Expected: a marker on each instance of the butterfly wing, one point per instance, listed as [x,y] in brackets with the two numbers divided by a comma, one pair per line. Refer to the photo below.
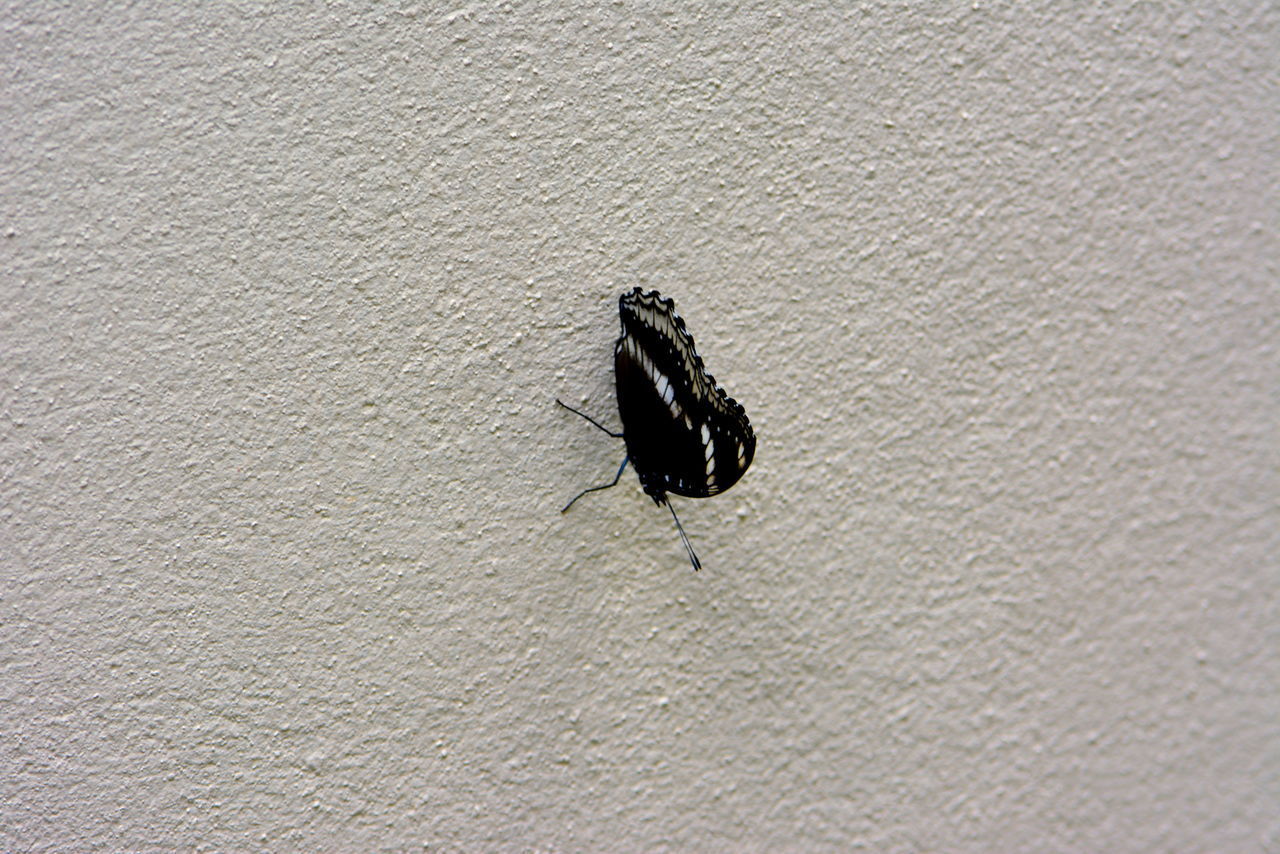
[684,434]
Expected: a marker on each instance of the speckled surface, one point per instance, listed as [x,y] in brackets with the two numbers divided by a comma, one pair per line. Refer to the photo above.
[285,297]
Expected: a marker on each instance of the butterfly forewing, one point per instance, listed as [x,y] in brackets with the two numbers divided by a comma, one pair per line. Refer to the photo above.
[684,434]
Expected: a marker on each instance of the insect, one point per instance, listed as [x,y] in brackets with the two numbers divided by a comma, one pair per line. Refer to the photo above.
[684,434]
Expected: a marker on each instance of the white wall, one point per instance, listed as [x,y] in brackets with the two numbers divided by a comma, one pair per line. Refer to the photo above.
[287,295]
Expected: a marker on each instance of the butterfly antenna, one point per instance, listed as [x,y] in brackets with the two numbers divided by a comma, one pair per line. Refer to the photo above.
[693,558]
[596,488]
[593,421]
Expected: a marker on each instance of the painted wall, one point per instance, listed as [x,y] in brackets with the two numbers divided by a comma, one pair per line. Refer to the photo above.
[286,293]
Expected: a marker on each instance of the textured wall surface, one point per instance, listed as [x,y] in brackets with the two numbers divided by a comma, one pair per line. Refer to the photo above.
[287,293]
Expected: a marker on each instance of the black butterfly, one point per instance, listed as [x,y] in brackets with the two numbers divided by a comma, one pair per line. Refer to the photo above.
[683,433]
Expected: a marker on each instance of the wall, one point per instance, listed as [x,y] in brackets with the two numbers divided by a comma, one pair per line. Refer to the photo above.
[287,293]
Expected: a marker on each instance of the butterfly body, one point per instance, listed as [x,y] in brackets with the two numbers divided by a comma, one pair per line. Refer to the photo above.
[684,434]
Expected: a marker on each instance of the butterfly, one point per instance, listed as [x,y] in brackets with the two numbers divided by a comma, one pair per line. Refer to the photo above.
[684,435]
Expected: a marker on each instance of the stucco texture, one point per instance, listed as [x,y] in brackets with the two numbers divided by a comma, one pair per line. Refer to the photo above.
[287,294]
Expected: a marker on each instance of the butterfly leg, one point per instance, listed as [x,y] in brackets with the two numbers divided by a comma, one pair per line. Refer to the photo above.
[589,418]
[616,477]
[693,558]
